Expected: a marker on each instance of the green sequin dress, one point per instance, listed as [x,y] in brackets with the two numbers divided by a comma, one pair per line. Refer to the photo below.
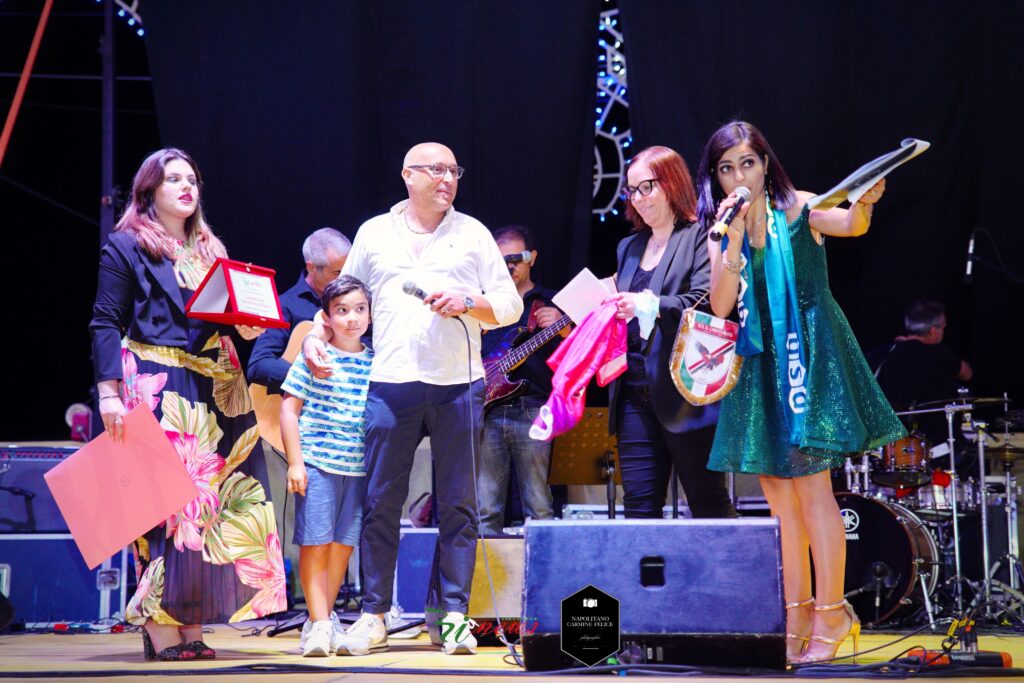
[847,411]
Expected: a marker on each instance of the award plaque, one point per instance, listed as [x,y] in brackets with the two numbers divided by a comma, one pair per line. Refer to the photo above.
[236,293]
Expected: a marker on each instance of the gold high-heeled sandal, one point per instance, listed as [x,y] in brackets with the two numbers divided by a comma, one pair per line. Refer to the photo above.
[854,631]
[794,636]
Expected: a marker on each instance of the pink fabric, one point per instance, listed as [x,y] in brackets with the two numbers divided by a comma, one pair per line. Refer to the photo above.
[596,346]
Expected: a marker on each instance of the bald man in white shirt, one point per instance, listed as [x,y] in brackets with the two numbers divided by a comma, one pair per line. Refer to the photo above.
[424,380]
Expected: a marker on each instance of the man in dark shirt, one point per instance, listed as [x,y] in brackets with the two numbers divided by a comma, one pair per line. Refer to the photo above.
[325,252]
[506,441]
[918,368]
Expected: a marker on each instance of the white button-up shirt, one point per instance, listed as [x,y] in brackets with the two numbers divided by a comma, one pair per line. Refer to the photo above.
[411,343]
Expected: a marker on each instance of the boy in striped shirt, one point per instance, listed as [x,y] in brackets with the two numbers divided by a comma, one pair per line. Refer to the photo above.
[322,424]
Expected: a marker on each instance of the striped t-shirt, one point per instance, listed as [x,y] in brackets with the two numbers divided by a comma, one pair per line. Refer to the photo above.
[332,423]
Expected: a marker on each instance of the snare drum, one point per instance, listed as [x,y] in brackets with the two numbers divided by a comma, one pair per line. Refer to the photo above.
[935,501]
[904,463]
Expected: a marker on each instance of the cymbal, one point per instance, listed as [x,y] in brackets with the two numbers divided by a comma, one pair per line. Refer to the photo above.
[1005,453]
[973,400]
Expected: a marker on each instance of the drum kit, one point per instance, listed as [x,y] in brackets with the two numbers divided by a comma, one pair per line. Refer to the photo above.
[906,524]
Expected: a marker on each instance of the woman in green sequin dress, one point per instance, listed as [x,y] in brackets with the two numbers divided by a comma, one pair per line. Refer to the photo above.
[793,418]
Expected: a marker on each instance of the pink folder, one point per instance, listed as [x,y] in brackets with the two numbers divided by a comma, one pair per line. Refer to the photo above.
[112,493]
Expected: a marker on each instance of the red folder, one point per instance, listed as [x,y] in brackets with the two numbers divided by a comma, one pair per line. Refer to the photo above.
[112,493]
[236,293]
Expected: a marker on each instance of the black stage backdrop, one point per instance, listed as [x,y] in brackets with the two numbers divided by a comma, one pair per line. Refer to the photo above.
[299,114]
[833,85]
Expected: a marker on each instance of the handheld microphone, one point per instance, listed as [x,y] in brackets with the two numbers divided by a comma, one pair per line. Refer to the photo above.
[411,289]
[720,226]
[968,274]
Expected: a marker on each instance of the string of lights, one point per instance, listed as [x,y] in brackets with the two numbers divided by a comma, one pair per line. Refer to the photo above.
[129,11]
[612,135]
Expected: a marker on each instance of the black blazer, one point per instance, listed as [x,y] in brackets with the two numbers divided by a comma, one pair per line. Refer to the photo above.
[138,295]
[680,279]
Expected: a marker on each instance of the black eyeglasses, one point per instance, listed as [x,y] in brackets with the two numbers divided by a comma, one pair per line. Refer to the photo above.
[439,170]
[644,187]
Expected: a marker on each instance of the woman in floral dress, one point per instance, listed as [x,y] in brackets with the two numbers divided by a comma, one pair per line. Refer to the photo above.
[218,559]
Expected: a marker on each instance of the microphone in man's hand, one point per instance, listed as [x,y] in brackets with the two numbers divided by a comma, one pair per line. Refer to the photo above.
[968,274]
[720,226]
[411,289]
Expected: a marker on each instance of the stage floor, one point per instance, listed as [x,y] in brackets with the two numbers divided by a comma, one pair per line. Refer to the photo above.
[119,657]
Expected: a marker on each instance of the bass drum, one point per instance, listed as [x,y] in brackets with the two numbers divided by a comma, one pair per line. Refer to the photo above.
[888,548]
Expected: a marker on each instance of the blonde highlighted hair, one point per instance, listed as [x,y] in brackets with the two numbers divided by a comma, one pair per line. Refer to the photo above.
[141,220]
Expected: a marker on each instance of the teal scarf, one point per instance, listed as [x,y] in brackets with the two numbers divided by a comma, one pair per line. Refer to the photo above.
[780,278]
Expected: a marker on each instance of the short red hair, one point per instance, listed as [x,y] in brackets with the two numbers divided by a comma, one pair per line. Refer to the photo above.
[674,180]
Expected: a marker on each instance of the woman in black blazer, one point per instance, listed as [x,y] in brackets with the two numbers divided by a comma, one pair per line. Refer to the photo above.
[664,262]
[218,559]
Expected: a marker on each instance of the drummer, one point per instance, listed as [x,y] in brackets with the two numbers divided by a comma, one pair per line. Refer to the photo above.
[918,368]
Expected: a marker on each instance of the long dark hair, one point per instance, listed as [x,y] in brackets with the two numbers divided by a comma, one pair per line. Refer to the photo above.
[140,218]
[709,192]
[675,181]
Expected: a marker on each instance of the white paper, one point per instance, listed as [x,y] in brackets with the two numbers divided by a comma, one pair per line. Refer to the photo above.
[853,186]
[213,298]
[254,294]
[583,294]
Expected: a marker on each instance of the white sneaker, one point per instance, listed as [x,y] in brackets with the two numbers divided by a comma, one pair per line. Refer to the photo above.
[460,640]
[365,636]
[308,626]
[393,619]
[318,642]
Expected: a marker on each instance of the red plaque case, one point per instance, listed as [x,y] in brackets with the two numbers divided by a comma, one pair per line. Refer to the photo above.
[236,293]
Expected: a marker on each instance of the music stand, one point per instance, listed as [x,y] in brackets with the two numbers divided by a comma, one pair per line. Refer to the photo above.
[587,455]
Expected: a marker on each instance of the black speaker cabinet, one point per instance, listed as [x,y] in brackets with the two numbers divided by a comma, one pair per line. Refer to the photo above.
[697,592]
[26,505]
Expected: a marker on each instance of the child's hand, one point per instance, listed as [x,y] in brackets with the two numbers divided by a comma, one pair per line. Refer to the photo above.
[297,479]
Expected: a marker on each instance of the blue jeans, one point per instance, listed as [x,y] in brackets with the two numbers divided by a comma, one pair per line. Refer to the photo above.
[398,416]
[646,453]
[506,442]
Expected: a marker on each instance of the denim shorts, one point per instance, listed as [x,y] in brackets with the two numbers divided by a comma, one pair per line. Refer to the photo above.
[331,511]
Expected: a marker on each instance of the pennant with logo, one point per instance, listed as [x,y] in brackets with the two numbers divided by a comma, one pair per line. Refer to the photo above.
[704,363]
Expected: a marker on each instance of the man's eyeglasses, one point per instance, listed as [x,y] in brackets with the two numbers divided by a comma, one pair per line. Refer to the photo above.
[644,187]
[521,257]
[439,170]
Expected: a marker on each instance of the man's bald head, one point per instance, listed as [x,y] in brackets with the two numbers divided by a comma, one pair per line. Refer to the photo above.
[428,153]
[429,194]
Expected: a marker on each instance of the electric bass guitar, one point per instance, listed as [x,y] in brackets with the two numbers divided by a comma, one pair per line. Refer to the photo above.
[507,356]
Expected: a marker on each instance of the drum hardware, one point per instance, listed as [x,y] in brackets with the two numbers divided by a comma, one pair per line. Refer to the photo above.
[982,429]
[857,476]
[1012,560]
[960,405]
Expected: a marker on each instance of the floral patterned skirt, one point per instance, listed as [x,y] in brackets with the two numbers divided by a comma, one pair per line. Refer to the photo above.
[218,559]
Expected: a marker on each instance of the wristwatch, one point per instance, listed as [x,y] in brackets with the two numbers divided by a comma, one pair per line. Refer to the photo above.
[467,301]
